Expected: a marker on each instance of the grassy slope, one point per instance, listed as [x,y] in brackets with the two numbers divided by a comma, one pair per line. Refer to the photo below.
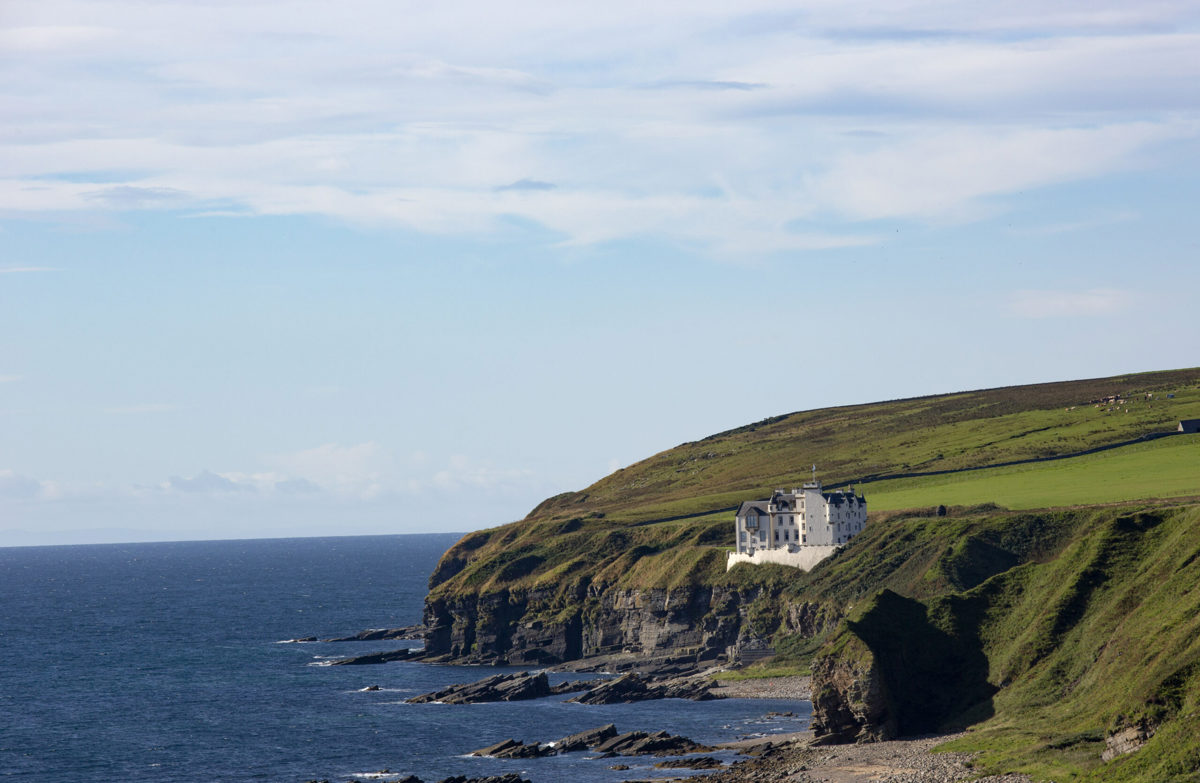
[595,534]
[1098,629]
[850,443]
[1164,468]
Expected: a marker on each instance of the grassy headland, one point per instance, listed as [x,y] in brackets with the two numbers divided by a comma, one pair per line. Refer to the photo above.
[1029,611]
[605,531]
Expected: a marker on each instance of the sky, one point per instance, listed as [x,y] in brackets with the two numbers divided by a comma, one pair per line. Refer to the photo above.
[279,268]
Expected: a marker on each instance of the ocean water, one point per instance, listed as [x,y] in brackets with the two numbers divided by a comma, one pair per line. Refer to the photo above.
[166,662]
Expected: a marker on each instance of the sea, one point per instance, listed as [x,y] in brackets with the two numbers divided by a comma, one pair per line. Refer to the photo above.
[166,662]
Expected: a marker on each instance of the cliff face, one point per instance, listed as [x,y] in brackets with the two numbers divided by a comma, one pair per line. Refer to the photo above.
[850,700]
[698,621]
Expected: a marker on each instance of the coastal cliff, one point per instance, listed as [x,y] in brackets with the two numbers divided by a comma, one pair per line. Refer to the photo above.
[1024,623]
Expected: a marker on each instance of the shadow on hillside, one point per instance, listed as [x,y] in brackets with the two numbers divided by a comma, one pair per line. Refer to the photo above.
[935,680]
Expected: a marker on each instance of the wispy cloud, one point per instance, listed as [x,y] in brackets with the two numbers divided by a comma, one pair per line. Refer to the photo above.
[133,197]
[527,184]
[853,111]
[207,482]
[11,378]
[18,270]
[363,469]
[13,485]
[1069,304]
[150,407]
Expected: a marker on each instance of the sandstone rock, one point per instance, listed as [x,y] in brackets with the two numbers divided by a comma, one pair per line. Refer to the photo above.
[633,687]
[586,739]
[514,749]
[849,698]
[378,634]
[701,620]
[501,687]
[373,658]
[640,743]
[572,686]
[1127,740]
[700,762]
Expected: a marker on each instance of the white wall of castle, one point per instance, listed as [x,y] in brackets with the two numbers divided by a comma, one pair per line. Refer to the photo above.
[805,558]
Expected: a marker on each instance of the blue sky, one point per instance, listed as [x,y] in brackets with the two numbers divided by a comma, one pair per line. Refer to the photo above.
[285,268]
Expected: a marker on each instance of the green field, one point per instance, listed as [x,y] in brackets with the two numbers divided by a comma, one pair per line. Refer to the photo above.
[1168,468]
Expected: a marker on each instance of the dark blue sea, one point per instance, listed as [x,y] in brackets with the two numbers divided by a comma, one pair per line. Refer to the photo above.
[165,662]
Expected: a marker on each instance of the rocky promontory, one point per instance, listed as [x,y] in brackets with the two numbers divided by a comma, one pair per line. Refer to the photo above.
[604,740]
[500,687]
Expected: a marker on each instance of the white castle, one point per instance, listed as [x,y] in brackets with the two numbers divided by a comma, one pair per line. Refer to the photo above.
[798,528]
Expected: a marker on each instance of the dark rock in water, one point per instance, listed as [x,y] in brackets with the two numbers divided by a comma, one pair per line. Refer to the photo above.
[572,687]
[700,762]
[514,749]
[640,743]
[368,688]
[586,739]
[499,747]
[620,767]
[501,687]
[634,687]
[511,777]
[378,634]
[381,657]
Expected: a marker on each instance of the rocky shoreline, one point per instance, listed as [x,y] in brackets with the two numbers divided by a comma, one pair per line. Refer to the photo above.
[793,758]
[801,760]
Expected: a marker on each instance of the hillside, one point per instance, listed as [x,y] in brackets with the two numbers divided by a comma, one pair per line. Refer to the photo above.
[1051,609]
[568,535]
[1048,633]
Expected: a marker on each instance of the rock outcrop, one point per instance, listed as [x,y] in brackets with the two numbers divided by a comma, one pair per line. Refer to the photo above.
[378,634]
[641,743]
[699,622]
[379,657]
[586,739]
[501,687]
[603,740]
[1126,740]
[514,749]
[849,697]
[633,687]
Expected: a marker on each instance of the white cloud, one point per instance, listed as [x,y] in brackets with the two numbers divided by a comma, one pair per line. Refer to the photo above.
[50,38]
[1067,304]
[545,113]
[942,173]
[465,474]
[363,470]
[11,378]
[207,482]
[16,486]
[16,270]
